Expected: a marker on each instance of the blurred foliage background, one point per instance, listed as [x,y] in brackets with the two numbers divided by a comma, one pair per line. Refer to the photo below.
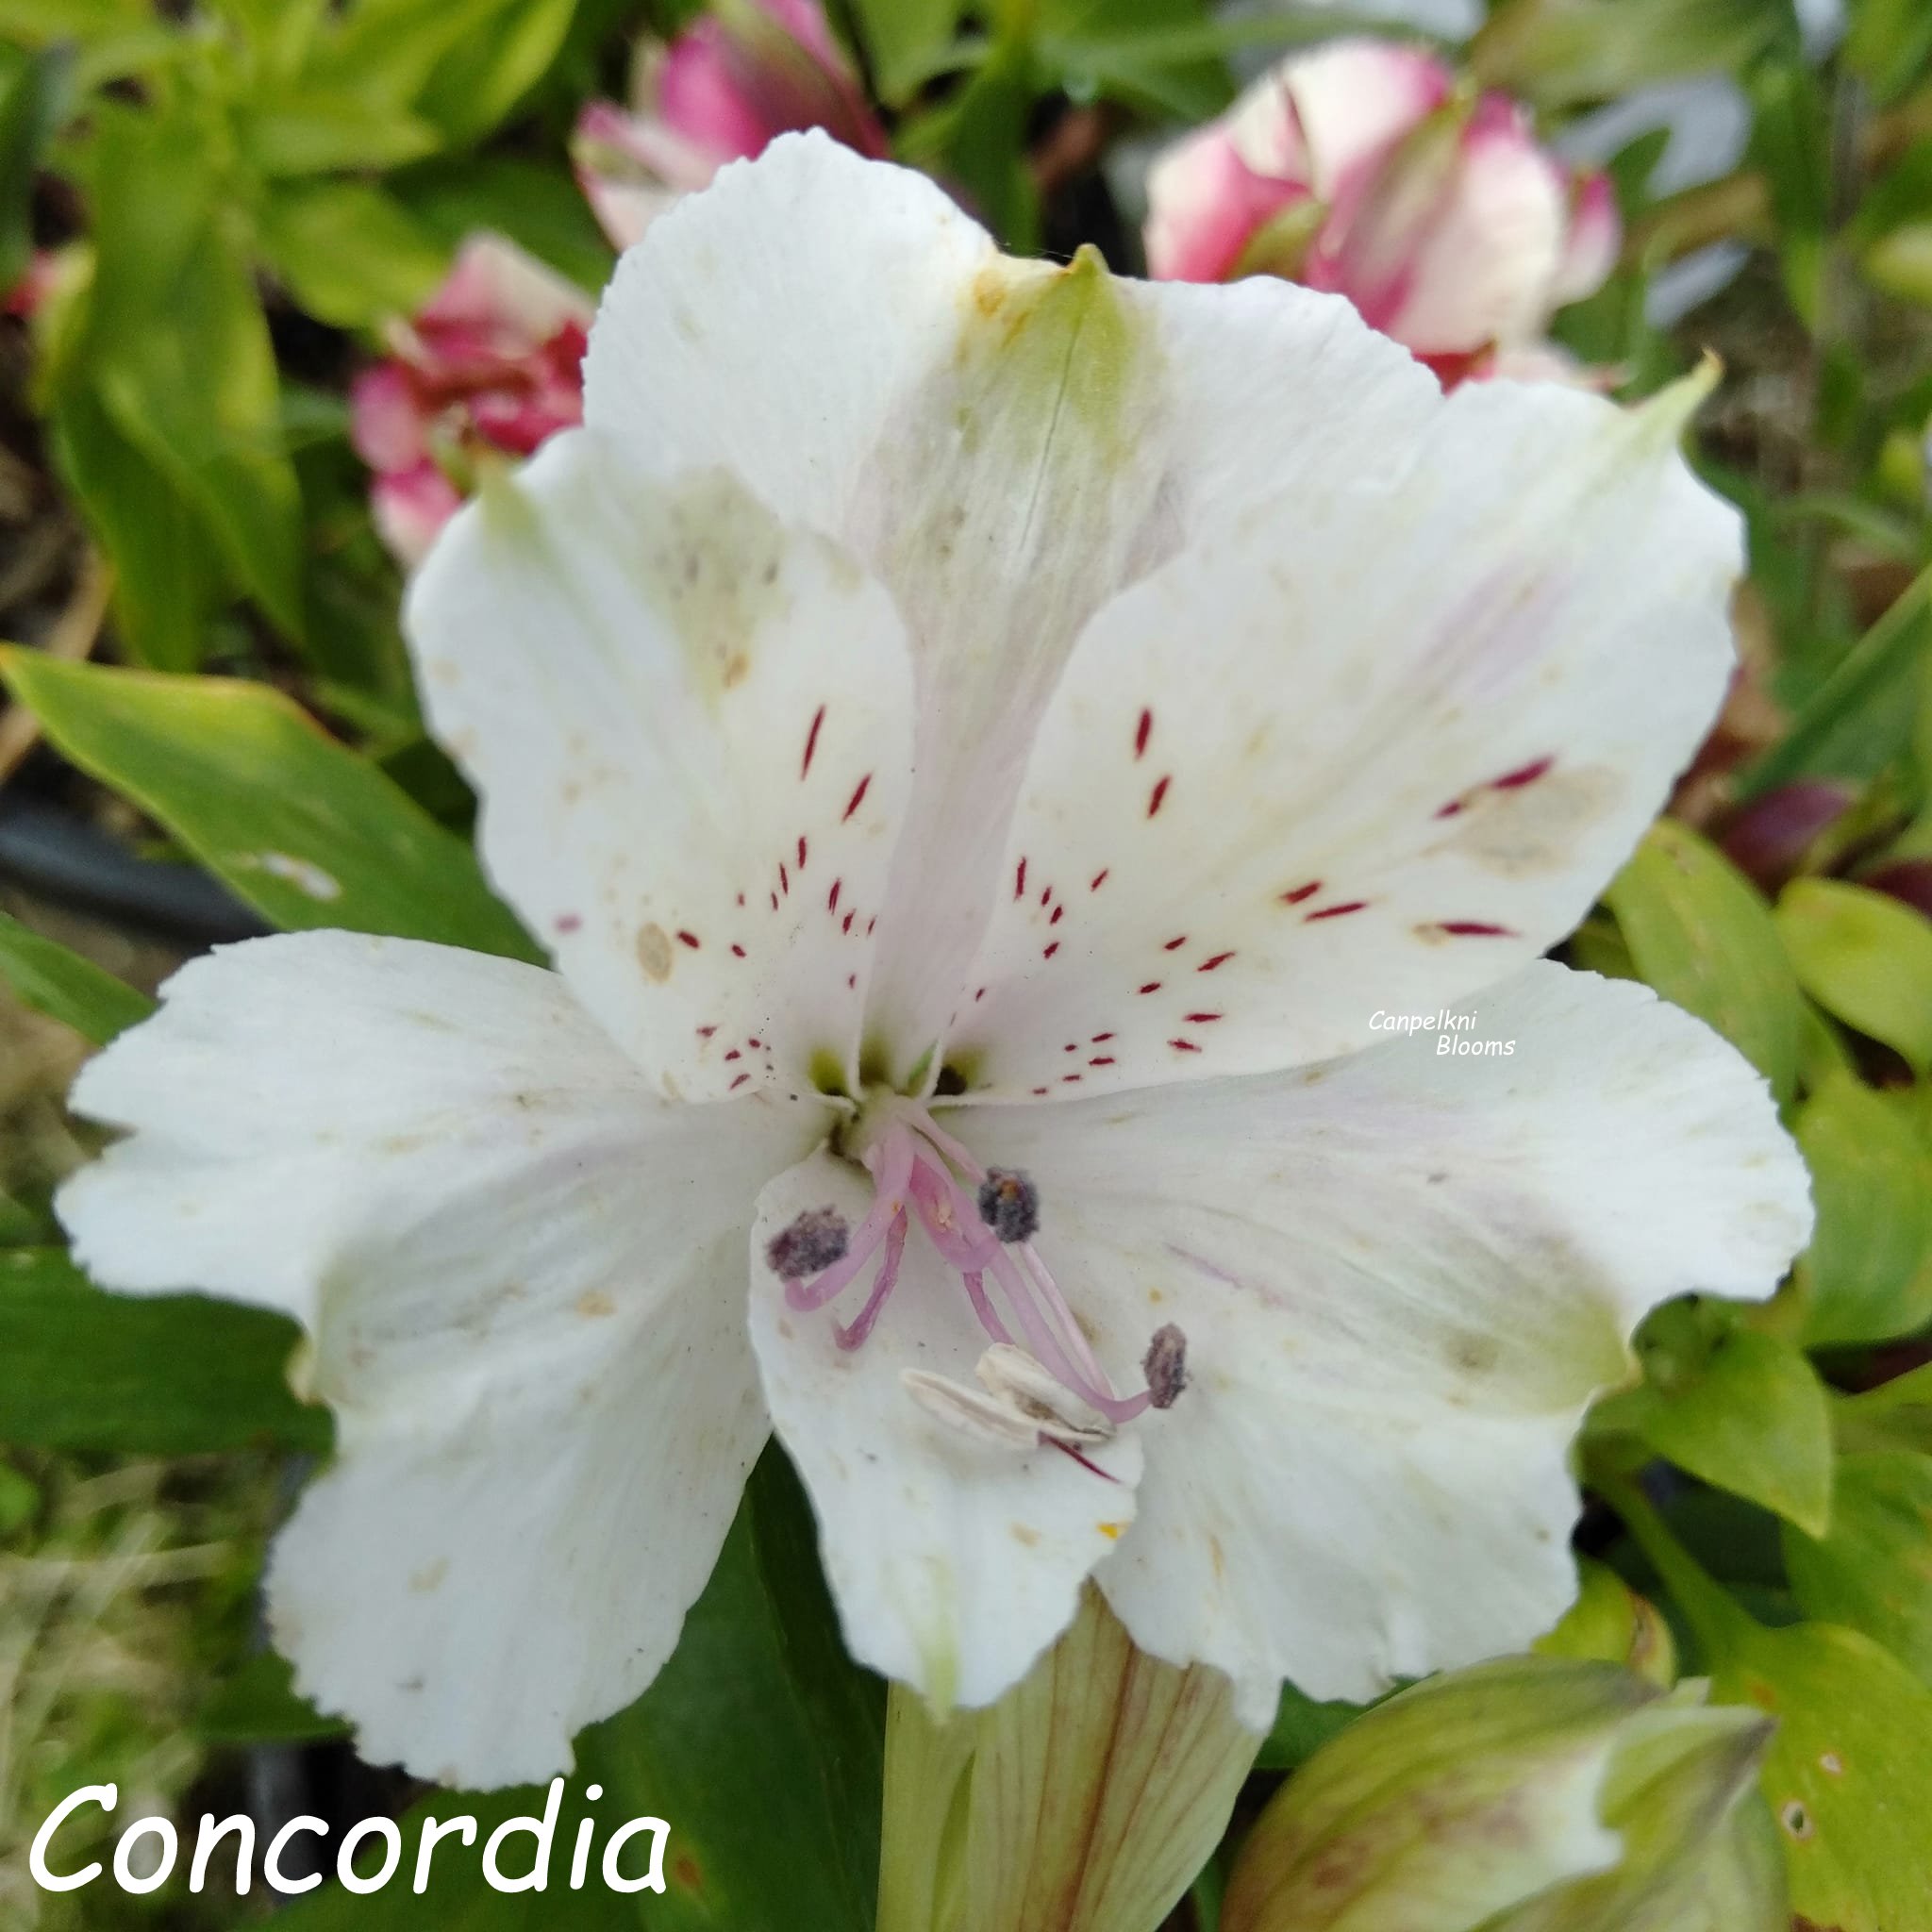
[216,214]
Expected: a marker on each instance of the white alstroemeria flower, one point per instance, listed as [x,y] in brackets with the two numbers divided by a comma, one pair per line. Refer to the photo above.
[986,743]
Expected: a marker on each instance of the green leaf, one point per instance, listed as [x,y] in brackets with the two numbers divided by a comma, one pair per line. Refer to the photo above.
[1865,1276]
[350,253]
[48,977]
[761,1743]
[83,1371]
[260,1704]
[169,577]
[1736,1408]
[177,348]
[540,208]
[1847,1772]
[316,132]
[483,76]
[1562,53]
[306,831]
[904,39]
[978,141]
[1302,1725]
[1699,932]
[1865,958]
[1888,43]
[1873,1571]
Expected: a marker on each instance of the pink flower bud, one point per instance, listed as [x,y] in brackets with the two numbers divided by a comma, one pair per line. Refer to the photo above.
[1436,212]
[492,363]
[736,79]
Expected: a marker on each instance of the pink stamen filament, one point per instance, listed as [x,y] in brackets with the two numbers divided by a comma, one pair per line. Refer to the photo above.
[909,1165]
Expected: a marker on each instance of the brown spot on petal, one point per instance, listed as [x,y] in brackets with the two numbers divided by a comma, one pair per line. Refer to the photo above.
[654,953]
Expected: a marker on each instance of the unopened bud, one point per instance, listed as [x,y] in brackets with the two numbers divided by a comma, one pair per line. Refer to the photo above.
[1535,1794]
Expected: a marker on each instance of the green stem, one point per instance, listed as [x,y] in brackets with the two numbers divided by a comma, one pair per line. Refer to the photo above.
[1863,670]
[1714,1619]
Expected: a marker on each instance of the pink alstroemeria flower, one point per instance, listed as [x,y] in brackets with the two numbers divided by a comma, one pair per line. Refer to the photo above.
[1362,168]
[492,363]
[747,73]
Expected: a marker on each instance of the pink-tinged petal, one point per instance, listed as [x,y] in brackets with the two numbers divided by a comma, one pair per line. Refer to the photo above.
[1541,362]
[1484,269]
[410,507]
[1355,99]
[1401,1276]
[669,158]
[1205,205]
[1590,250]
[702,98]
[386,418]
[37,282]
[1297,757]
[625,209]
[496,289]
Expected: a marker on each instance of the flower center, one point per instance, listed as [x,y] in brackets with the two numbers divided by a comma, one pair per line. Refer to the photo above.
[1042,1381]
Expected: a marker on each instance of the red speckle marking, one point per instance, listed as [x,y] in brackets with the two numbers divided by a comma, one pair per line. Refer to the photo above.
[980,996]
[801,852]
[1143,731]
[1449,811]
[1099,880]
[1335,911]
[1199,1019]
[1473,929]
[1300,892]
[852,979]
[845,924]
[1160,793]
[857,797]
[737,951]
[1101,1059]
[1046,895]
[811,741]
[705,1032]
[774,902]
[734,1054]
[1060,912]
[1219,959]
[832,897]
[1524,775]
[1068,1079]
[738,1083]
[870,923]
[1050,950]
[689,939]
[754,1041]
[740,898]
[1184,1046]
[1072,1046]
[568,922]
[1020,882]
[784,878]
[1173,944]
[1100,1038]
[1152,986]
[1039,1091]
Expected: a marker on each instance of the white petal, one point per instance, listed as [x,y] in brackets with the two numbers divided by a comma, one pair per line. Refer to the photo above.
[690,728]
[1354,98]
[1004,444]
[954,1558]
[1368,759]
[519,1270]
[1401,1276]
[1487,270]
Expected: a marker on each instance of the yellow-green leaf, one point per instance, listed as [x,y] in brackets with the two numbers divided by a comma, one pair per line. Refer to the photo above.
[1699,932]
[1864,957]
[306,830]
